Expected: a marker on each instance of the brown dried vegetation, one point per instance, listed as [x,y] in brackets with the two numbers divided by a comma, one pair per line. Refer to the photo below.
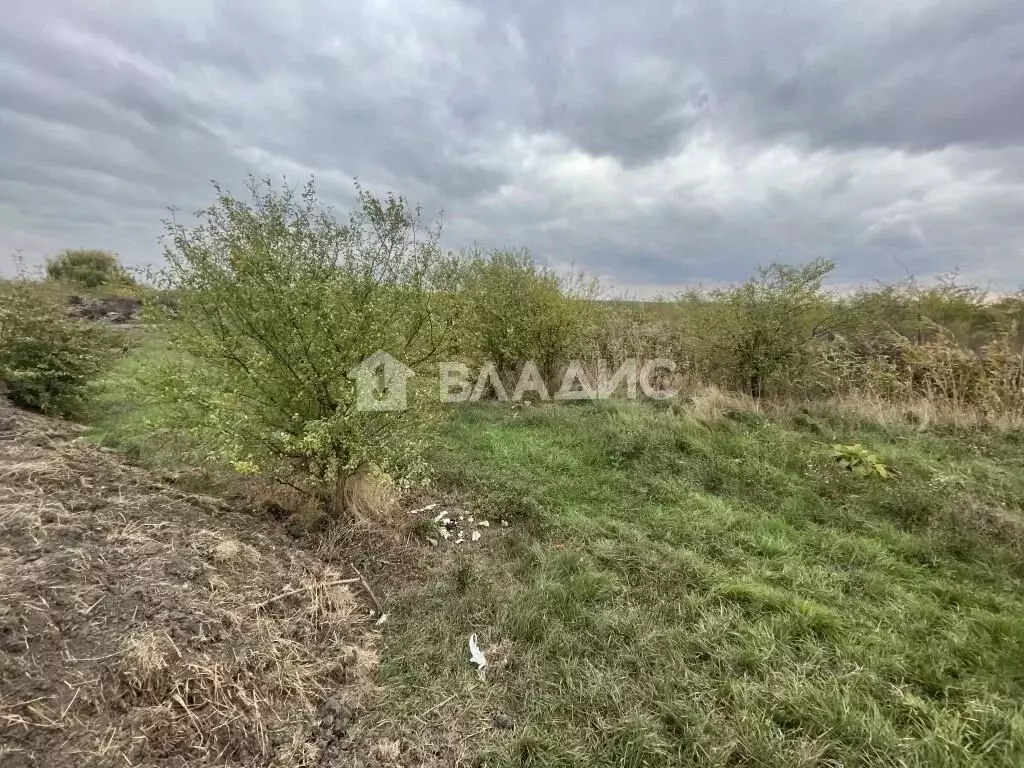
[141,625]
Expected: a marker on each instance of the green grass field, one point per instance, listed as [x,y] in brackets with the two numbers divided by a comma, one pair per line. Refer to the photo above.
[681,586]
[675,592]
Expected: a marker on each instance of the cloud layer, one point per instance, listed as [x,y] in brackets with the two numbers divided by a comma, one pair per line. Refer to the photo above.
[656,144]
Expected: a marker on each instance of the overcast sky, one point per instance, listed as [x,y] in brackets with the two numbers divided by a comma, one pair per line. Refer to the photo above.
[653,143]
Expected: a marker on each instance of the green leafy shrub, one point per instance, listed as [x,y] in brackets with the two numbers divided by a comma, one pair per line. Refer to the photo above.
[859,460]
[758,335]
[517,311]
[88,268]
[276,303]
[921,312]
[47,359]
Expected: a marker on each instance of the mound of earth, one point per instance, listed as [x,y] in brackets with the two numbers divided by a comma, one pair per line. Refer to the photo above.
[140,625]
[120,310]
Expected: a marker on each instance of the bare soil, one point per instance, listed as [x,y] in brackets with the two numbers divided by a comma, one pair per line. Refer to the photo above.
[140,625]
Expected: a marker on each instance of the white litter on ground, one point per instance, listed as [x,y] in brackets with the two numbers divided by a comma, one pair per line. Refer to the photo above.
[475,655]
[423,509]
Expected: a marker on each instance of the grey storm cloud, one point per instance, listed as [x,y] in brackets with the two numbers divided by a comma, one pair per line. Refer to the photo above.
[655,144]
[898,232]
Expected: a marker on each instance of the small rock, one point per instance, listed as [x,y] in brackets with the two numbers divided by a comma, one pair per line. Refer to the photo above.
[13,646]
[485,523]
[335,716]
[503,721]
[432,542]
[226,550]
[475,536]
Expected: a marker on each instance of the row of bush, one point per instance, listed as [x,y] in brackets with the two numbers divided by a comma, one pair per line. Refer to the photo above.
[276,300]
[47,358]
[781,334]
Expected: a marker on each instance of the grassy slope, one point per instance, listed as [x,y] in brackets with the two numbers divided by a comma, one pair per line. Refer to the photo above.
[674,592]
[123,414]
[688,594]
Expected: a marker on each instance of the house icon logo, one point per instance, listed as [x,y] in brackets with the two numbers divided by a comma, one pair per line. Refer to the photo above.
[381,383]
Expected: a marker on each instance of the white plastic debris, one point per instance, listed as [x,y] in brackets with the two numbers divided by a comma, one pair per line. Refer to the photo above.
[383,618]
[471,518]
[504,523]
[485,523]
[423,509]
[439,515]
[475,536]
[475,654]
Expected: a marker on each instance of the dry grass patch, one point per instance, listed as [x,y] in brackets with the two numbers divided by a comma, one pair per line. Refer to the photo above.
[145,626]
[709,404]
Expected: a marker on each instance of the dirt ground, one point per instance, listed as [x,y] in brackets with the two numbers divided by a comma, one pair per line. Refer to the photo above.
[140,625]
